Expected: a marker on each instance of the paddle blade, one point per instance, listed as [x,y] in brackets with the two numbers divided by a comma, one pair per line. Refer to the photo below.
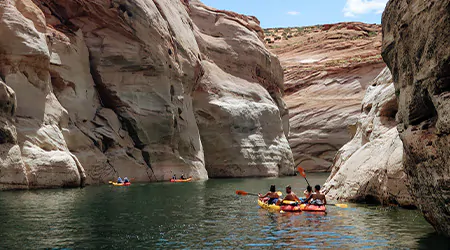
[301,171]
[279,193]
[341,205]
[240,192]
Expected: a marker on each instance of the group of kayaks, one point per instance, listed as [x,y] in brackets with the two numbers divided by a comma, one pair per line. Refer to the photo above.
[291,206]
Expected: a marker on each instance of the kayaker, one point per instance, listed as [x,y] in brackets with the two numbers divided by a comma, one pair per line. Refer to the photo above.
[290,196]
[119,180]
[182,176]
[125,180]
[174,177]
[273,196]
[317,198]
[308,192]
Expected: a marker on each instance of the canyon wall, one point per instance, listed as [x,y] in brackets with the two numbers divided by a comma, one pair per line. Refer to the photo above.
[416,49]
[327,70]
[238,103]
[369,168]
[91,90]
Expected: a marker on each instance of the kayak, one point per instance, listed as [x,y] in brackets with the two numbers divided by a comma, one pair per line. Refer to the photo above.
[181,180]
[292,208]
[120,184]
[276,208]
[313,208]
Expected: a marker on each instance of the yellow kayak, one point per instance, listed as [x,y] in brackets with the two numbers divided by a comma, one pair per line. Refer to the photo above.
[120,184]
[271,207]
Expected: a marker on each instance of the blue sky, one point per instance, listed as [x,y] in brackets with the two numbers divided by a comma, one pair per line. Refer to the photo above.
[292,13]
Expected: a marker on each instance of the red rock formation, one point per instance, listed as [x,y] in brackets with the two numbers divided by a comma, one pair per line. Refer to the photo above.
[327,70]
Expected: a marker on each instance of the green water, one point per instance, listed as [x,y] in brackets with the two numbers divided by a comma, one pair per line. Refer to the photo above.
[198,215]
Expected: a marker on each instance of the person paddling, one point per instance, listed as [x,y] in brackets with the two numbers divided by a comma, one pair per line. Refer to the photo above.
[119,180]
[317,198]
[290,196]
[125,180]
[308,192]
[273,196]
[174,177]
[182,177]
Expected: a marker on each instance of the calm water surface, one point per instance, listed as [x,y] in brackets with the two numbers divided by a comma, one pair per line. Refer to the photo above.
[198,215]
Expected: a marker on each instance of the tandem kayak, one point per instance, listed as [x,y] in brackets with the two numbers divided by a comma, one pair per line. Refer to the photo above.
[120,184]
[181,180]
[292,208]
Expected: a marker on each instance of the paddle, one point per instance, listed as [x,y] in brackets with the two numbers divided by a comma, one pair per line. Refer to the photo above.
[338,205]
[240,192]
[302,173]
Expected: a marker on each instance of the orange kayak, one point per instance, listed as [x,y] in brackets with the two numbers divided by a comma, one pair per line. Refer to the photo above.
[181,180]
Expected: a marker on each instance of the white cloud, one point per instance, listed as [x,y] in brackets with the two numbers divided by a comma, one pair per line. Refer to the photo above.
[293,13]
[360,7]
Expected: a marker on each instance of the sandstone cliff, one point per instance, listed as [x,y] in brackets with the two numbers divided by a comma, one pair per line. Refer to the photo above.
[416,48]
[95,89]
[327,70]
[369,168]
[238,103]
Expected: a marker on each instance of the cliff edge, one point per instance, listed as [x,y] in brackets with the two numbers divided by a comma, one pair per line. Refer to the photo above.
[416,49]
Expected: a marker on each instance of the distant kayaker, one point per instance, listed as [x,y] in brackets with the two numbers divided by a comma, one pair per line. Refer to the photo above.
[317,198]
[273,196]
[290,196]
[174,177]
[119,180]
[125,180]
[182,177]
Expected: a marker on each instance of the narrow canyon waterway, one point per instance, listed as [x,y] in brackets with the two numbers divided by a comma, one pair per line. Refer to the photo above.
[198,215]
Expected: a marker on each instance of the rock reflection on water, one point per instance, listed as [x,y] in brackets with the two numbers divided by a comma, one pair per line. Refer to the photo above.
[198,215]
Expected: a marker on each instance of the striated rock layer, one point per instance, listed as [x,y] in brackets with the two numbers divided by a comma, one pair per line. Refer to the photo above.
[369,168]
[95,89]
[416,48]
[327,70]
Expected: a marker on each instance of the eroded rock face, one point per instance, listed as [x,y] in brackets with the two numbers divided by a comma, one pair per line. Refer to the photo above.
[369,168]
[37,155]
[416,48]
[238,101]
[327,70]
[108,88]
